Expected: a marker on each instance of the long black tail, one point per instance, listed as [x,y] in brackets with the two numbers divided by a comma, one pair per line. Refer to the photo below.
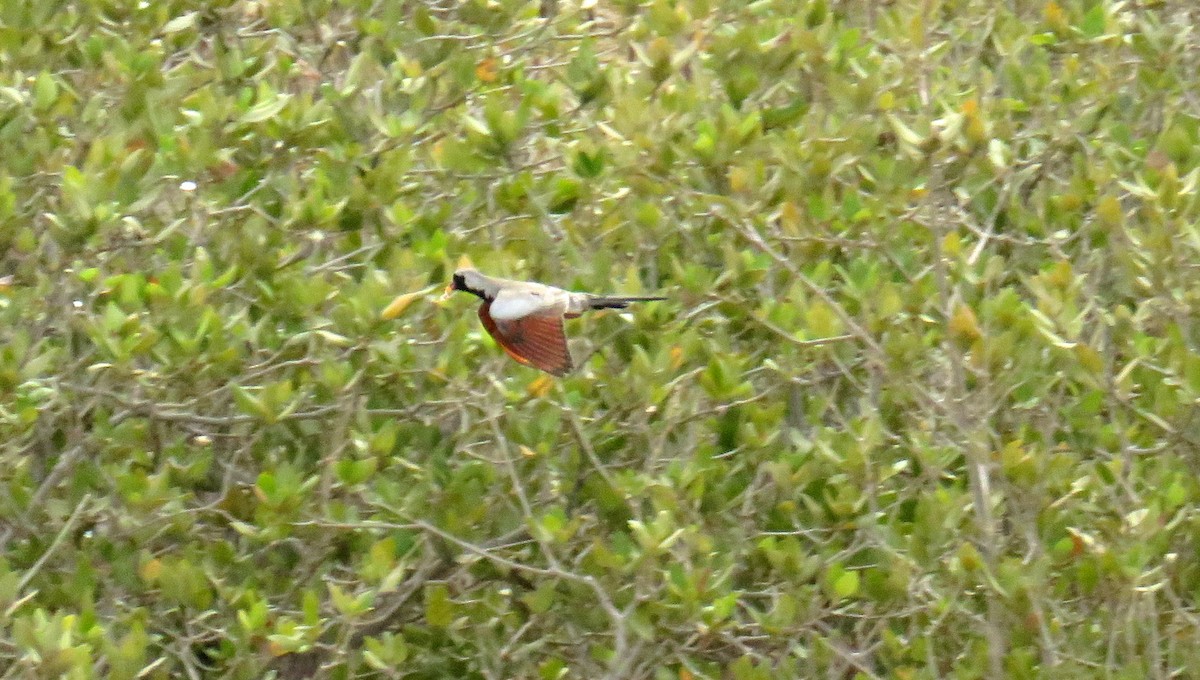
[619,301]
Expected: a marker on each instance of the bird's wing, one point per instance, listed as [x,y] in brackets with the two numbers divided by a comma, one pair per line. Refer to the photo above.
[524,299]
[536,340]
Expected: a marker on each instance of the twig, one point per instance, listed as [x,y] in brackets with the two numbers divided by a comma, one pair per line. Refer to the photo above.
[54,545]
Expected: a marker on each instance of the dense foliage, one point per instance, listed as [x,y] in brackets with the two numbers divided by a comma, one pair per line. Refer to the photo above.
[923,402]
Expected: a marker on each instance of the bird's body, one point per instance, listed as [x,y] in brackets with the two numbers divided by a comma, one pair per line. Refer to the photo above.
[526,318]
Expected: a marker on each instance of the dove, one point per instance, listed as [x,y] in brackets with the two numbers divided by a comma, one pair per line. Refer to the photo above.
[526,318]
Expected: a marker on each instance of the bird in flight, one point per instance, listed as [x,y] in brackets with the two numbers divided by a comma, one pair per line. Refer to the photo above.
[526,318]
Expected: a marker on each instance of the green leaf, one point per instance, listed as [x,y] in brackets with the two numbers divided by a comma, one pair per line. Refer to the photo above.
[566,194]
[355,471]
[265,110]
[182,22]
[588,165]
[439,610]
[45,91]
[251,405]
[424,21]
[1093,23]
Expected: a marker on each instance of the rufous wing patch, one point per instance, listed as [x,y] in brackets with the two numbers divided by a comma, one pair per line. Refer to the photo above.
[536,340]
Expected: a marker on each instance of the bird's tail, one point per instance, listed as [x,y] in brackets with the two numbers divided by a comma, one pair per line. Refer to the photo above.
[619,301]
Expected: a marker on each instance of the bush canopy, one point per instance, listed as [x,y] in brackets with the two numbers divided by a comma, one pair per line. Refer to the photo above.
[923,401]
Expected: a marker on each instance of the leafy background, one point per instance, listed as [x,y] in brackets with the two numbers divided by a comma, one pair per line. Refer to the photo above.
[922,403]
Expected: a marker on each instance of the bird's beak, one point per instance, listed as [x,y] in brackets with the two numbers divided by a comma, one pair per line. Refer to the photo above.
[446,294]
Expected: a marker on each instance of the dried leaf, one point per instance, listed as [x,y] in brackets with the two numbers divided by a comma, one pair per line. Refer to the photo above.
[402,302]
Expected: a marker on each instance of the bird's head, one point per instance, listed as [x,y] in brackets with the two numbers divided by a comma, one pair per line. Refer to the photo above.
[471,281]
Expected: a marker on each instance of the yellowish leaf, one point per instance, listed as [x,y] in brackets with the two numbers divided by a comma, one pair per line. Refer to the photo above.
[952,244]
[1060,276]
[969,557]
[1089,358]
[540,386]
[486,70]
[789,217]
[676,357]
[402,302]
[151,570]
[974,128]
[739,179]
[964,326]
[1108,210]
[1055,17]
[904,133]
[822,322]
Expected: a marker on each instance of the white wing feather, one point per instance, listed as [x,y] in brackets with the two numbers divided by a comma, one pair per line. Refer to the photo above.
[517,304]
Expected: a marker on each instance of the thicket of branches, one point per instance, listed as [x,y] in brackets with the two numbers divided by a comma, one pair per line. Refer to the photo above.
[922,403]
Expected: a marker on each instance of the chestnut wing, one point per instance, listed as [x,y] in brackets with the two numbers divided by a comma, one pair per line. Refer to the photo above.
[537,340]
